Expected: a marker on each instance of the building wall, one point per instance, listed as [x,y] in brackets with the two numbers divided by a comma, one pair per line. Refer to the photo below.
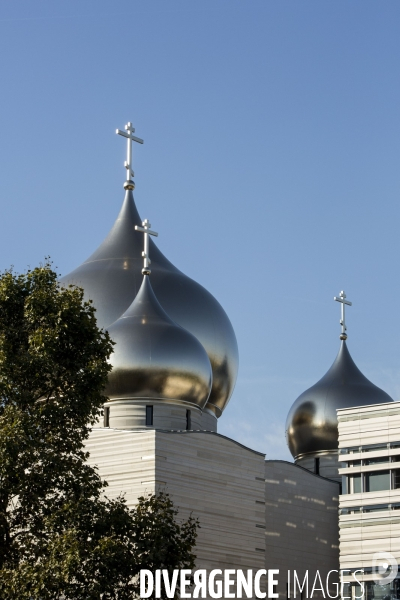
[207,475]
[301,518]
[126,460]
[369,443]
[254,514]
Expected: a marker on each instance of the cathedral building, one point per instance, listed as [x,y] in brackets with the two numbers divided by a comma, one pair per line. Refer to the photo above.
[174,369]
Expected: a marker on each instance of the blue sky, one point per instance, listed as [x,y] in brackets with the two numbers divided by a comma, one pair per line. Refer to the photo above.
[270,167]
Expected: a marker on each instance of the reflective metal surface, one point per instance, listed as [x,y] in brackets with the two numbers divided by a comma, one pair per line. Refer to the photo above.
[154,358]
[111,277]
[311,424]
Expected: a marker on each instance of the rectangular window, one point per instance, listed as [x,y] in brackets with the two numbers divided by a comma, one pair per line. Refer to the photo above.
[376,461]
[377,482]
[149,416]
[376,508]
[357,484]
[374,447]
[396,479]
[106,416]
[188,420]
[352,450]
[350,511]
[356,592]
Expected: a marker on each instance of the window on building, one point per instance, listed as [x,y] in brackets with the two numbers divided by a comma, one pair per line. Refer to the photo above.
[352,450]
[188,420]
[375,508]
[396,589]
[357,592]
[149,416]
[378,481]
[374,447]
[396,479]
[350,511]
[376,461]
[107,416]
[354,484]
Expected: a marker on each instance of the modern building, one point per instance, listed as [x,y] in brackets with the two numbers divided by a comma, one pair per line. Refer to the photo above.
[174,369]
[369,446]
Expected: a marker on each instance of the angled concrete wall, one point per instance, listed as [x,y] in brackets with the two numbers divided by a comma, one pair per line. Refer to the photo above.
[301,518]
[254,514]
[207,475]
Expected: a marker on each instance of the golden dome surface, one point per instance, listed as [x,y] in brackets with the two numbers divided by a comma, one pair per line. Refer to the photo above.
[156,359]
[111,278]
[311,425]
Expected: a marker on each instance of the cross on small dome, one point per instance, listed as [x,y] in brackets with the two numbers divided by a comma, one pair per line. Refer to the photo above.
[343,301]
[147,231]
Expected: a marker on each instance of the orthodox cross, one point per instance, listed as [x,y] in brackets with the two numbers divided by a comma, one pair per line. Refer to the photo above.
[147,231]
[130,138]
[343,301]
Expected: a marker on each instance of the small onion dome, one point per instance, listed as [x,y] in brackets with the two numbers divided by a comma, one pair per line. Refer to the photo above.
[111,278]
[311,425]
[154,358]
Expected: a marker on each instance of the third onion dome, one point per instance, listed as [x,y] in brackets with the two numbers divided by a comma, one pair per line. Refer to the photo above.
[311,425]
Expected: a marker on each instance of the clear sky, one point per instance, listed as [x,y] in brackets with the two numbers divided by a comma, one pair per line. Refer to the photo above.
[270,167]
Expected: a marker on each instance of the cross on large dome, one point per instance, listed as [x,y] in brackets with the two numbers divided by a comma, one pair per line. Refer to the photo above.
[111,278]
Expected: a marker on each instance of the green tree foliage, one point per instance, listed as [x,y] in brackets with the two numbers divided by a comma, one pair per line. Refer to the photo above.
[59,534]
[160,541]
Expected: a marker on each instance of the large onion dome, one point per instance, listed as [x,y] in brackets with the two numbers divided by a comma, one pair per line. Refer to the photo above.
[111,277]
[156,359]
[311,425]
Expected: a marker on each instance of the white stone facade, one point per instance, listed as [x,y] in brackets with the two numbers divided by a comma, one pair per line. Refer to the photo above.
[207,475]
[254,514]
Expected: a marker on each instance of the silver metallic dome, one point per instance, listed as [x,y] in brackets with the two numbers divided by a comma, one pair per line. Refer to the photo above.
[154,358]
[311,425]
[111,277]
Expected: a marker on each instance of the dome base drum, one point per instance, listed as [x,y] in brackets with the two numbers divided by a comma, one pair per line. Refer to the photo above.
[133,415]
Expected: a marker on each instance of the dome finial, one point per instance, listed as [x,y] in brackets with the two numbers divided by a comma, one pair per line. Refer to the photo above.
[343,301]
[130,130]
[147,231]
